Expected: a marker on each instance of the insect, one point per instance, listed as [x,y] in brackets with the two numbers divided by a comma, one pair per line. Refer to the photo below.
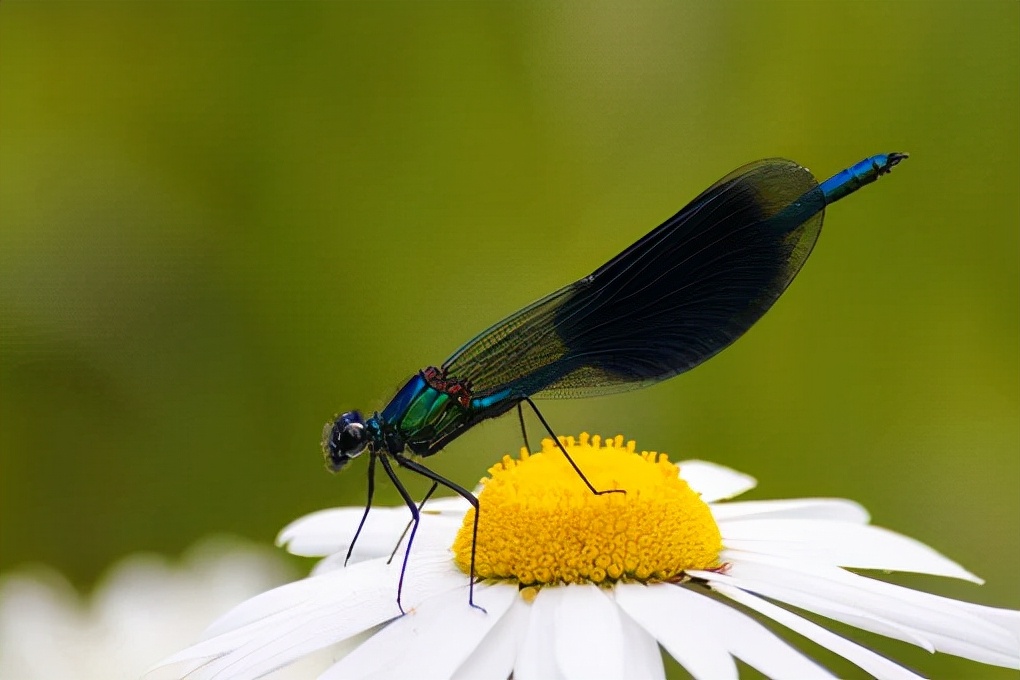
[678,296]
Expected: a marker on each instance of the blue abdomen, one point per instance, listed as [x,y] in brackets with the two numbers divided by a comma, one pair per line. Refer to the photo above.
[856,176]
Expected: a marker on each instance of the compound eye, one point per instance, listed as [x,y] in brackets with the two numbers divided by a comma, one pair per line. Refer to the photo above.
[344,438]
[352,438]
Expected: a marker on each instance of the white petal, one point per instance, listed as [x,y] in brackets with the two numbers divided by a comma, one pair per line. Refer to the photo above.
[328,532]
[495,655]
[455,505]
[171,670]
[833,509]
[1009,619]
[665,612]
[816,600]
[537,657]
[280,626]
[715,482]
[362,581]
[873,663]
[751,642]
[434,638]
[333,562]
[715,626]
[839,543]
[941,624]
[644,660]
[589,634]
[578,632]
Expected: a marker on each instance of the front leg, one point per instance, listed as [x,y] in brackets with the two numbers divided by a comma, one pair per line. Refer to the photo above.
[459,490]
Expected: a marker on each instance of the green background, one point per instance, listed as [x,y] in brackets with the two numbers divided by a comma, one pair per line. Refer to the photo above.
[223,223]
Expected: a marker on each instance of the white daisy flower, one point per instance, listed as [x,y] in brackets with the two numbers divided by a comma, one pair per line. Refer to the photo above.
[576,585]
[143,609]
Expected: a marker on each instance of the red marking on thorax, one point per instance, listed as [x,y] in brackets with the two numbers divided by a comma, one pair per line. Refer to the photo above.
[460,390]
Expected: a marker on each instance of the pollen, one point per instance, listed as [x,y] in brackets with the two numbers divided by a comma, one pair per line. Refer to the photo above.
[540,524]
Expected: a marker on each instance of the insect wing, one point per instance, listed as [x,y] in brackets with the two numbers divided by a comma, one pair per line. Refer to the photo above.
[677,297]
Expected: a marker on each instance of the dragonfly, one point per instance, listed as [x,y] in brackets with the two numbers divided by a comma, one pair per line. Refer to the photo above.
[677,297]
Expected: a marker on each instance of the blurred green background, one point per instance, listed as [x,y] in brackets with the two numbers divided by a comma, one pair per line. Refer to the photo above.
[221,223]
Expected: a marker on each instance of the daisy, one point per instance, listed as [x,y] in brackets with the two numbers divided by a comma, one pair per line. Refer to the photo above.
[575,585]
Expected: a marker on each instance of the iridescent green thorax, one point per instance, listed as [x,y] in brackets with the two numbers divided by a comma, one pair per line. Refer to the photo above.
[427,409]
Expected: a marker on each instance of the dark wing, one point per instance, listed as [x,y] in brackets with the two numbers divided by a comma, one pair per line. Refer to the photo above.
[672,300]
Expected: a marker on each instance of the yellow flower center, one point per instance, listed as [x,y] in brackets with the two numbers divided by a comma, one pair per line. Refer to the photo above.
[540,524]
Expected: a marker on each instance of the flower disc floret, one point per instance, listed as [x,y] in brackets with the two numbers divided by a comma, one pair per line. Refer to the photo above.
[540,524]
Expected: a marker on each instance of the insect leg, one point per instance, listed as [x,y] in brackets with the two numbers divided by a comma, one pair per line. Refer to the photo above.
[435,485]
[368,506]
[524,431]
[415,518]
[569,459]
[460,491]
